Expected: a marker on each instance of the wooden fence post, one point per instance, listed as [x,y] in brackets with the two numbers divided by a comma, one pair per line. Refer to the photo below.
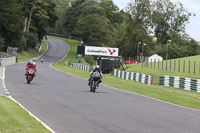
[199,68]
[162,65]
[194,67]
[184,66]
[179,66]
[174,65]
[170,65]
[189,67]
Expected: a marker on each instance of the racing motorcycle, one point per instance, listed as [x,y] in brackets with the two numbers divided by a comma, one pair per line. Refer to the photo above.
[42,60]
[30,73]
[95,77]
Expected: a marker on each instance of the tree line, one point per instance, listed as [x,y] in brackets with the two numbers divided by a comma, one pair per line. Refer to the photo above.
[24,23]
[102,23]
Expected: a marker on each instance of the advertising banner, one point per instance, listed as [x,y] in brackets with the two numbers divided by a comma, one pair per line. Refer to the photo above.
[101,51]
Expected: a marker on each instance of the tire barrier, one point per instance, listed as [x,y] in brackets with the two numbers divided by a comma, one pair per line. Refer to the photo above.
[81,66]
[138,77]
[180,82]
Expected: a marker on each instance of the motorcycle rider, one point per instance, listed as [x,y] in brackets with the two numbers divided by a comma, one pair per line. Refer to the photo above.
[31,64]
[96,69]
[42,60]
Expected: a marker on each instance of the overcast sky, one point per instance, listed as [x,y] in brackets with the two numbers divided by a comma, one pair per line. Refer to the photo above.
[193,28]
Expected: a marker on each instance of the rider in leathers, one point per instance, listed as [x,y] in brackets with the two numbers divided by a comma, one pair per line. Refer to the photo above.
[96,69]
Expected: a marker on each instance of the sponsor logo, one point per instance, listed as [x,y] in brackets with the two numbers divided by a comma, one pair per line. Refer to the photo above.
[111,51]
[96,51]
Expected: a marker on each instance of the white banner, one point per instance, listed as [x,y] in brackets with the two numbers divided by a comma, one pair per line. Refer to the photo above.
[102,51]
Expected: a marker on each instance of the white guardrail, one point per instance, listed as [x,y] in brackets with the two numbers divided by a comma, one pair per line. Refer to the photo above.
[190,84]
[81,66]
[138,77]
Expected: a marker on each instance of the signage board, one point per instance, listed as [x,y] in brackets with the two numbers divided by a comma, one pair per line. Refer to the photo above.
[101,51]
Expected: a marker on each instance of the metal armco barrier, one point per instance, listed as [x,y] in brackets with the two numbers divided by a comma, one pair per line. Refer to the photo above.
[180,82]
[142,78]
[81,66]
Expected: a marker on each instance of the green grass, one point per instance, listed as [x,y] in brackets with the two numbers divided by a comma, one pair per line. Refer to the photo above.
[160,72]
[31,53]
[13,119]
[169,94]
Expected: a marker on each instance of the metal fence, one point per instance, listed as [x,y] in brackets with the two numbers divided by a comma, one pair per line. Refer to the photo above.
[184,66]
[11,51]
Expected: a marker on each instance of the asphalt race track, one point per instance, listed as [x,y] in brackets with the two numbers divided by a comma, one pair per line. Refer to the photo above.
[65,104]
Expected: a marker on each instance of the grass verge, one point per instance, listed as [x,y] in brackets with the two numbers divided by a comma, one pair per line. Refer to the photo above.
[176,70]
[31,53]
[13,119]
[169,94]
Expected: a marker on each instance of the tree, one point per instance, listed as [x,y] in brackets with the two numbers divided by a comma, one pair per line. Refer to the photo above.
[138,21]
[168,17]
[111,11]
[61,8]
[2,42]
[93,29]
[11,23]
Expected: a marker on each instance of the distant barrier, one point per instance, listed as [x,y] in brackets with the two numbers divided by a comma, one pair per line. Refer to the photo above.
[7,61]
[81,66]
[180,82]
[138,77]
[64,36]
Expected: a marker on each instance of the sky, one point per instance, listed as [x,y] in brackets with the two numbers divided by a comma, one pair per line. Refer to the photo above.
[193,6]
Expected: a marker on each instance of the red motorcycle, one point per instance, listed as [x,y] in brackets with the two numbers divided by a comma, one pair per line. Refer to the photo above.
[30,73]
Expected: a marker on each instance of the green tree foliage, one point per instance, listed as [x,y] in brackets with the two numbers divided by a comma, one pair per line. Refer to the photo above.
[40,15]
[11,22]
[2,42]
[135,28]
[89,59]
[164,19]
[61,7]
[93,29]
[168,17]
[92,21]
[24,22]
[111,11]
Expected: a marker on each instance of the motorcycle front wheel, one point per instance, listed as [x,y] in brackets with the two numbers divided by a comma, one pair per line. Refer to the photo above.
[29,79]
[93,86]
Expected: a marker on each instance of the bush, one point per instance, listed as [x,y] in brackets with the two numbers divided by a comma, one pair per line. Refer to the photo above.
[89,59]
[2,42]
[31,40]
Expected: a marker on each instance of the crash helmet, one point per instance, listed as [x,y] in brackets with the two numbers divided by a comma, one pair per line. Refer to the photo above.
[33,61]
[97,67]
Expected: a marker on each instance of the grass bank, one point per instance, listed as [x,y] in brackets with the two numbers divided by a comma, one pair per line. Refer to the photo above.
[13,119]
[169,94]
[31,53]
[181,70]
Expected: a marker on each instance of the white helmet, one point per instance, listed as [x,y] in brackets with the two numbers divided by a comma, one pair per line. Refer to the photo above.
[33,61]
[97,66]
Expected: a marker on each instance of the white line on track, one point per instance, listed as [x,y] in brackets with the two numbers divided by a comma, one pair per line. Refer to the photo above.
[46,126]
[10,97]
